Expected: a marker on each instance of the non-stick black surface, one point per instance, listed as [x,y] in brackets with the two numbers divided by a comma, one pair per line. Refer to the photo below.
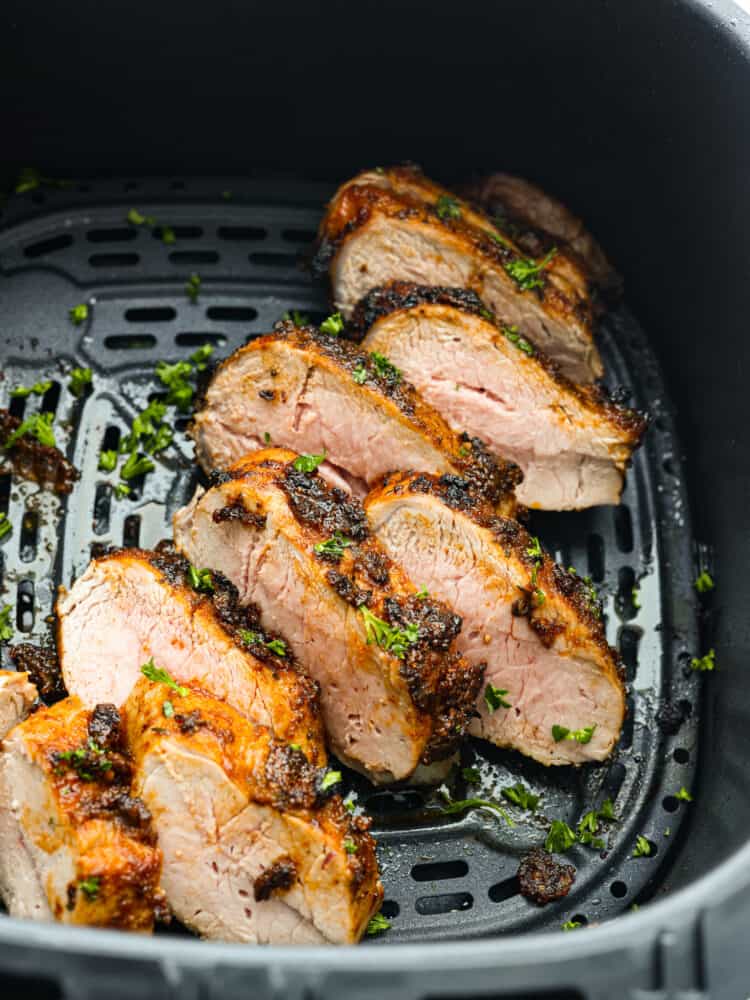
[444,876]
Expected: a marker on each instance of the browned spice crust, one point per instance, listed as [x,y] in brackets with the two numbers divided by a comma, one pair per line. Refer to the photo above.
[401,295]
[42,665]
[542,879]
[31,460]
[276,879]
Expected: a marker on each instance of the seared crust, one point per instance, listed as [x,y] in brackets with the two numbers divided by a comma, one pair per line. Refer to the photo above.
[31,460]
[399,296]
[440,683]
[42,664]
[404,193]
[542,879]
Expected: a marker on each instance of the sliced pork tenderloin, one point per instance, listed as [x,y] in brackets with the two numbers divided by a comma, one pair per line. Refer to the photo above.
[571,442]
[75,845]
[554,689]
[253,850]
[131,606]
[17,696]
[395,225]
[301,389]
[394,692]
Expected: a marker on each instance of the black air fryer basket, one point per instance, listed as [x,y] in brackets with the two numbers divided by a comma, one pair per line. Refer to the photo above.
[233,125]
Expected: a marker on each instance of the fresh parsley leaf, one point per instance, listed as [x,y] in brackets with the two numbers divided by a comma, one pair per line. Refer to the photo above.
[308,463]
[267,438]
[160,440]
[377,925]
[79,379]
[135,218]
[385,368]
[528,274]
[389,637]
[560,837]
[360,374]
[174,377]
[39,426]
[534,550]
[471,775]
[520,796]
[296,317]
[167,709]
[136,465]
[201,355]
[159,676]
[588,826]
[108,460]
[349,805]
[447,208]
[277,646]
[349,846]
[168,235]
[38,388]
[193,287]
[684,795]
[333,324]
[571,925]
[79,314]
[122,490]
[330,778]
[635,594]
[582,735]
[6,629]
[422,594]
[512,334]
[607,810]
[5,526]
[90,887]
[642,848]
[704,582]
[334,546]
[461,805]
[200,580]
[499,238]
[493,698]
[703,663]
[295,746]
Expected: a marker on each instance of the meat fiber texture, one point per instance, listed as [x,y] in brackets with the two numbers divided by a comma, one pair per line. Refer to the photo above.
[268,527]
[253,851]
[572,443]
[132,606]
[17,695]
[537,626]
[396,225]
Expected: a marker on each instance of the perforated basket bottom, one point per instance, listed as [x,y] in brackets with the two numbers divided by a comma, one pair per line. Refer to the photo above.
[444,876]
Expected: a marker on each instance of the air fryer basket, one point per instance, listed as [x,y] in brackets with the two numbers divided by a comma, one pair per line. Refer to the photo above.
[604,107]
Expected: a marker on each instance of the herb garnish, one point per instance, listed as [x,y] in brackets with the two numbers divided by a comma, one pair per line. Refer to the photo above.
[333,324]
[159,676]
[707,662]
[135,218]
[79,379]
[377,925]
[79,314]
[385,368]
[296,317]
[167,709]
[512,334]
[520,796]
[422,594]
[5,526]
[684,795]
[579,735]
[200,579]
[334,546]
[107,460]
[39,426]
[360,374]
[461,805]
[330,778]
[277,646]
[193,287]
[389,637]
[85,760]
[6,629]
[534,551]
[349,846]
[38,388]
[471,775]
[571,925]
[122,490]
[588,825]
[526,273]
[90,887]
[704,582]
[136,465]
[447,207]
[635,598]
[308,463]
[642,848]
[493,698]
[560,837]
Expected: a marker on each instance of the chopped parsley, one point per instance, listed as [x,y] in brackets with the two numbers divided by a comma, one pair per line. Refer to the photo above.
[333,324]
[684,795]
[38,388]
[349,805]
[136,465]
[707,662]
[571,925]
[635,595]
[642,848]
[560,837]
[389,637]
[276,646]
[5,526]
[471,775]
[200,356]
[534,549]
[520,796]
[447,208]
[583,735]
[168,235]
[461,805]
[135,218]
[122,490]
[607,810]
[193,287]
[86,760]
[308,463]
[30,178]
[6,629]
[334,546]
[360,374]
[494,698]
[422,594]
[167,709]
[174,377]
[296,317]
[90,887]
[349,846]
[39,426]
[108,460]
[377,925]
[200,579]
[526,273]
[588,827]
[79,314]
[512,334]
[330,778]
[267,438]
[704,582]
[79,379]
[499,238]
[159,676]
[385,368]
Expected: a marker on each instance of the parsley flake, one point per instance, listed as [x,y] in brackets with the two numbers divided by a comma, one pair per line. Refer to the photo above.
[511,333]
[330,778]
[389,637]
[447,208]
[461,805]
[6,629]
[108,460]
[360,374]
[703,663]
[167,709]
[377,925]
[471,775]
[560,837]
[704,582]
[333,324]
[78,314]
[528,274]
[296,317]
[122,490]
[90,887]
[38,388]
[308,463]
[200,579]
[684,795]
[193,287]
[136,465]
[494,698]
[5,526]
[582,735]
[276,646]
[520,796]
[39,426]
[385,368]
[349,846]
[571,925]
[642,848]
[79,379]
[159,676]
[333,547]
[422,594]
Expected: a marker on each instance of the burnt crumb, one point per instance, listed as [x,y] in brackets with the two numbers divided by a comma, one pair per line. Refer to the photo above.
[671,716]
[236,511]
[374,564]
[131,811]
[542,879]
[190,722]
[278,878]
[104,727]
[29,459]
[328,510]
[267,394]
[347,589]
[93,764]
[43,667]
[72,892]
[292,781]
[455,491]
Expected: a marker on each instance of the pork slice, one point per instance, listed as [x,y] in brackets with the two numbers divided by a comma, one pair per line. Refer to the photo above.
[132,606]
[17,695]
[385,711]
[398,226]
[75,845]
[537,626]
[253,852]
[316,394]
[571,442]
